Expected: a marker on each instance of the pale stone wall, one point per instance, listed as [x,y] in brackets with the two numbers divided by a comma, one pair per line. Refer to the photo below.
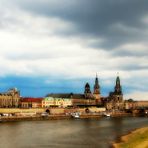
[83,110]
[18,110]
[136,104]
[95,109]
[141,103]
[115,105]
[21,111]
[57,111]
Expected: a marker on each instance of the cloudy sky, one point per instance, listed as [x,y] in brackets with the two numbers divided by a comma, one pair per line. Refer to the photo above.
[58,45]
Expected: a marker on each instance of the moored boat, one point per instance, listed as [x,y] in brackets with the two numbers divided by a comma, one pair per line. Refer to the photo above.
[76,115]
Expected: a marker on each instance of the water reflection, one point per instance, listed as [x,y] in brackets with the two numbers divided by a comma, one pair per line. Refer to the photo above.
[86,133]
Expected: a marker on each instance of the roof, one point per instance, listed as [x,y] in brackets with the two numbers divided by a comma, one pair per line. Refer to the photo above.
[78,96]
[32,100]
[5,93]
[87,85]
[67,95]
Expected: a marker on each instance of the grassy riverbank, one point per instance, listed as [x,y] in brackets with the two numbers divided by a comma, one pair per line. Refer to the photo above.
[136,139]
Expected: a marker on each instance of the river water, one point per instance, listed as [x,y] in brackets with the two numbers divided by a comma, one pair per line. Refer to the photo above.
[76,133]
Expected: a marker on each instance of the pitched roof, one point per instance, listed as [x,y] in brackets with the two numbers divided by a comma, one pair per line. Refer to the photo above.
[39,100]
[68,95]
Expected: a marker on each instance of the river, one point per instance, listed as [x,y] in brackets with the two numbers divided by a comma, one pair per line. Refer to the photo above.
[76,133]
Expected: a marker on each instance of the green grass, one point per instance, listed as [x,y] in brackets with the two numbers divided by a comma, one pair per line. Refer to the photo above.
[138,139]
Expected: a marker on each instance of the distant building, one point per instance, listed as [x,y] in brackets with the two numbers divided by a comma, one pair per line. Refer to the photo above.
[28,102]
[10,99]
[136,104]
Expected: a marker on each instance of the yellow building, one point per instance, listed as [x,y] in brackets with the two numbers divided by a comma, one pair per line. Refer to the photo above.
[10,99]
[59,102]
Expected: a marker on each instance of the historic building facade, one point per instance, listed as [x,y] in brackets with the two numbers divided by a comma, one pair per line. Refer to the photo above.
[10,99]
[56,102]
[77,100]
[28,102]
[115,98]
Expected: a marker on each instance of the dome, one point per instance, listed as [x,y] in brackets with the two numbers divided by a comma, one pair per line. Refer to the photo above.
[87,85]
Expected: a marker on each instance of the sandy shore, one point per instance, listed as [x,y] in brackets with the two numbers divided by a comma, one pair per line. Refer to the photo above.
[136,139]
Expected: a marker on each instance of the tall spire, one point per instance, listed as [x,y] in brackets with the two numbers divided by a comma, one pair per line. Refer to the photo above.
[118,88]
[96,86]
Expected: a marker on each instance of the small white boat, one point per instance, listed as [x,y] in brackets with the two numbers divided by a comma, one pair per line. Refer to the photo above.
[75,115]
[107,115]
[44,114]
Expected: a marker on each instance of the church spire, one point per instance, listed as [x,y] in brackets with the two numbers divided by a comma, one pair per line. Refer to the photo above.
[96,86]
[118,88]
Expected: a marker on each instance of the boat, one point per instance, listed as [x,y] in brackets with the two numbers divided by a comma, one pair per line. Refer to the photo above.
[107,115]
[76,115]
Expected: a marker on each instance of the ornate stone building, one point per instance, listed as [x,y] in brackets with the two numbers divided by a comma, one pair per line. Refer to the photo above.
[10,99]
[115,99]
[88,98]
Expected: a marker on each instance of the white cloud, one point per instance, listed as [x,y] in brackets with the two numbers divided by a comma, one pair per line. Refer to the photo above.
[31,45]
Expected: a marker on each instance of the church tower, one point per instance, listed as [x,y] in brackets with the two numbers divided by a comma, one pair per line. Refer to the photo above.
[118,89]
[115,100]
[118,96]
[96,93]
[96,86]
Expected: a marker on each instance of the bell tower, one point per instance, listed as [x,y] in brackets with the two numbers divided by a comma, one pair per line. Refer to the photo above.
[96,86]
[117,94]
[118,89]
[96,92]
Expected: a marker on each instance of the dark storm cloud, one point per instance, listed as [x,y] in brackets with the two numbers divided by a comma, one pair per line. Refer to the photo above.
[115,21]
[129,53]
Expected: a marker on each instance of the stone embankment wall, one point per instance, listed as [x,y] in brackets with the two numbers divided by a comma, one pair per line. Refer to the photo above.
[33,118]
[18,110]
[52,110]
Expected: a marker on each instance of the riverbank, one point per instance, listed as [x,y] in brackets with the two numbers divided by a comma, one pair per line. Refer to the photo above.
[49,117]
[20,114]
[136,139]
[33,118]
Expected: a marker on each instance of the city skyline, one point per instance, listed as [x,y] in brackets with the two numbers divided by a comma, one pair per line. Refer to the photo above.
[47,46]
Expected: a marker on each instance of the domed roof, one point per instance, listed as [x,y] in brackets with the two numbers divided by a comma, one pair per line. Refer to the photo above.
[87,85]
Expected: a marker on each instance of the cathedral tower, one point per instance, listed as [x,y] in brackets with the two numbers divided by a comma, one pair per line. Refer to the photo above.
[96,93]
[118,89]
[116,97]
[96,86]
[117,94]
